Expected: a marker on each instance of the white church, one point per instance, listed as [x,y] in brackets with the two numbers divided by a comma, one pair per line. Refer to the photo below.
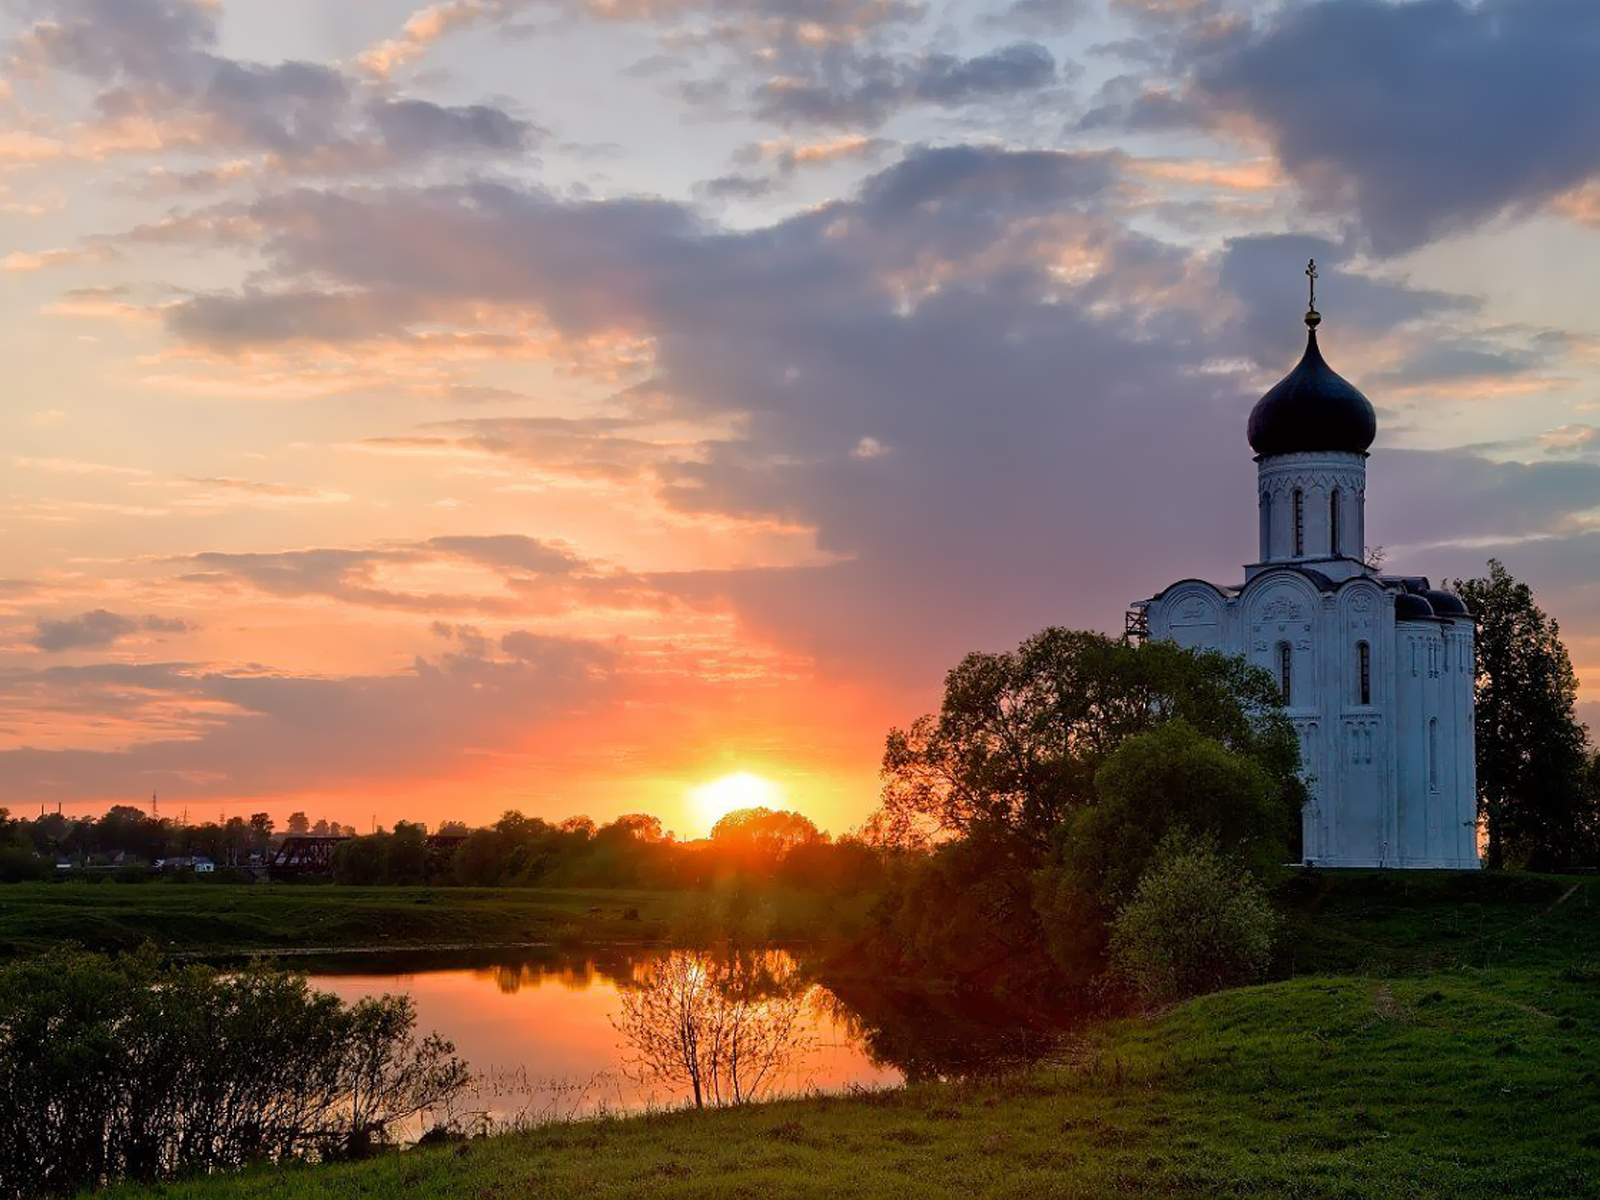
[1376,669]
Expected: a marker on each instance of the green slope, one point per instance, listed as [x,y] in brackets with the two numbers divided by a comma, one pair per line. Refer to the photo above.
[1457,1055]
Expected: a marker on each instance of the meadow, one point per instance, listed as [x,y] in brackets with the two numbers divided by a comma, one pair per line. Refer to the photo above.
[215,919]
[1446,1043]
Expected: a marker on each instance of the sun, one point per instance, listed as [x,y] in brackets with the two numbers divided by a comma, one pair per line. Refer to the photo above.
[715,800]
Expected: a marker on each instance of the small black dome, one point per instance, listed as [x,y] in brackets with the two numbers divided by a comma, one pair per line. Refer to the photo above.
[1313,409]
[1411,607]
[1446,604]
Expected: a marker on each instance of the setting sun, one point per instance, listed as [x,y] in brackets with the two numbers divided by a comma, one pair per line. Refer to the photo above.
[715,800]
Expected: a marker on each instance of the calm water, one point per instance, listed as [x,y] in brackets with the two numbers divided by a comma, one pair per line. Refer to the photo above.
[537,1030]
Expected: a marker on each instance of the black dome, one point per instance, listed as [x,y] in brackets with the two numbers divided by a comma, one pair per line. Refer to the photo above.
[1312,409]
[1410,607]
[1446,604]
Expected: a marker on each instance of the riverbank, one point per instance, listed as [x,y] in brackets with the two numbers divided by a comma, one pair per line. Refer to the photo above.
[212,920]
[1450,1047]
[1459,1084]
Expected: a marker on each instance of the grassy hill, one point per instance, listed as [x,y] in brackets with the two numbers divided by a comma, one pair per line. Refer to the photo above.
[1449,1048]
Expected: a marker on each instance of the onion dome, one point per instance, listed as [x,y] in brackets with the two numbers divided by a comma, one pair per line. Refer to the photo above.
[1410,607]
[1313,409]
[1446,604]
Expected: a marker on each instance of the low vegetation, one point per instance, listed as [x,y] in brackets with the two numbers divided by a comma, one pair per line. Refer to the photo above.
[1460,1058]
[123,1068]
[201,920]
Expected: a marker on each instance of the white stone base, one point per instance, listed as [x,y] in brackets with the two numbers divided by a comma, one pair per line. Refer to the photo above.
[1408,864]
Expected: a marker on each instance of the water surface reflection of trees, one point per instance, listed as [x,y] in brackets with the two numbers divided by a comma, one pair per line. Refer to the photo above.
[721,1025]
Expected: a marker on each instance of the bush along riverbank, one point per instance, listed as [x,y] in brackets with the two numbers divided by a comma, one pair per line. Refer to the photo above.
[1448,1046]
[1461,1084]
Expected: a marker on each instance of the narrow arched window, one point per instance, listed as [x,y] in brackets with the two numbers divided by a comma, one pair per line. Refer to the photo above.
[1286,671]
[1333,522]
[1364,671]
[1299,522]
[1266,525]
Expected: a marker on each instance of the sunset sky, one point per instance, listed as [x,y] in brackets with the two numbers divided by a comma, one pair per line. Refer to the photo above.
[422,411]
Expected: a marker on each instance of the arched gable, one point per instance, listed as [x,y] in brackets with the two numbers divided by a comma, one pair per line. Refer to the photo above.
[1283,616]
[1193,614]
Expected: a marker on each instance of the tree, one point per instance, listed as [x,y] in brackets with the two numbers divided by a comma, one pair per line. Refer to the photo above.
[480,860]
[1174,780]
[1532,752]
[722,1027]
[1016,744]
[299,823]
[1196,923]
[765,836]
[126,1067]
[406,854]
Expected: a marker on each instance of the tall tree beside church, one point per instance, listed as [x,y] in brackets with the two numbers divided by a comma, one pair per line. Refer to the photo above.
[1533,792]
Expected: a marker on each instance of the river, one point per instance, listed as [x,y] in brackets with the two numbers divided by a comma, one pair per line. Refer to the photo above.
[538,1028]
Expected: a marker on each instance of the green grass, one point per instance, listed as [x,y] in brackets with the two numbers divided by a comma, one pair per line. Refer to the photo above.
[234,919]
[1456,1054]
[1442,1086]
[217,919]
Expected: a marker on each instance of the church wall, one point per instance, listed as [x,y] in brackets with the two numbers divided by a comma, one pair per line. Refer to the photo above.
[1316,476]
[1410,715]
[1461,817]
[1379,795]
[1359,794]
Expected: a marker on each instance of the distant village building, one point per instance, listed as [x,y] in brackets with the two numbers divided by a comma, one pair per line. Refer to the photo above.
[1376,670]
[197,863]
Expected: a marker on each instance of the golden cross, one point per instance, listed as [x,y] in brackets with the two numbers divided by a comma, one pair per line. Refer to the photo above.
[1311,274]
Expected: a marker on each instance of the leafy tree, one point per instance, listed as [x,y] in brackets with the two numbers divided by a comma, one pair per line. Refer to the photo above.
[406,854]
[127,1068]
[633,827]
[1020,736]
[299,823]
[1196,923]
[1532,751]
[361,860]
[1169,782]
[1174,779]
[480,860]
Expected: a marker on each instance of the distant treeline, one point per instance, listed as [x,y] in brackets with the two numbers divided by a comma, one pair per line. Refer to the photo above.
[756,845]
[128,836]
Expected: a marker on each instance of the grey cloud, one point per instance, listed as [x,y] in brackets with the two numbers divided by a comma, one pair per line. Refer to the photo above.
[1264,273]
[1052,444]
[531,570]
[157,59]
[850,89]
[1420,119]
[512,552]
[97,629]
[947,80]
[1038,16]
[279,734]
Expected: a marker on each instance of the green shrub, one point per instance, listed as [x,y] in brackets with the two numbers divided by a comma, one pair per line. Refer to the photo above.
[128,1068]
[1197,923]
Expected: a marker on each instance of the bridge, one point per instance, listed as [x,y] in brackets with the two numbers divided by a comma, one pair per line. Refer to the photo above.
[303,854]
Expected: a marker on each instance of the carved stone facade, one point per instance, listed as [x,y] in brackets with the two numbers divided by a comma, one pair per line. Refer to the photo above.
[1377,671]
